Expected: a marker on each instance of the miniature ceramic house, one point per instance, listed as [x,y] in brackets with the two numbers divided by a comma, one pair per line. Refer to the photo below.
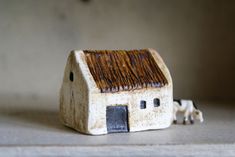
[116,91]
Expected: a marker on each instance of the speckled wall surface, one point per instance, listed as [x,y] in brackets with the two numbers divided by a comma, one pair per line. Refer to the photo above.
[195,38]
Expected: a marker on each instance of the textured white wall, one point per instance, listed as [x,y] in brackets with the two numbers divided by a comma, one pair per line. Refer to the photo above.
[195,38]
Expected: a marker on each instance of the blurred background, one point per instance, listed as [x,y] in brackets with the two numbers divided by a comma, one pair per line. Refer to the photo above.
[196,38]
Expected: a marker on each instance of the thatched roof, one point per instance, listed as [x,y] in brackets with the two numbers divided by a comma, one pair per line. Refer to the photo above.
[118,70]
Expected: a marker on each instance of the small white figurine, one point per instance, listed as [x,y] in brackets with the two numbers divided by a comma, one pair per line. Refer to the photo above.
[189,109]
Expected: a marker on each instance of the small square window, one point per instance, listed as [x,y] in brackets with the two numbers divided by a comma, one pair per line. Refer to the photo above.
[142,104]
[156,102]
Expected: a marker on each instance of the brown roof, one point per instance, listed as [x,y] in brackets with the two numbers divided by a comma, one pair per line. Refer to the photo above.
[120,70]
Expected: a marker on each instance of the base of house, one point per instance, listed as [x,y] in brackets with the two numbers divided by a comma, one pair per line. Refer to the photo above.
[104,131]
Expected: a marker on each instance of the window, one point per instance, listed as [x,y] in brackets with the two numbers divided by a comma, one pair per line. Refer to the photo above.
[156,102]
[71,76]
[142,104]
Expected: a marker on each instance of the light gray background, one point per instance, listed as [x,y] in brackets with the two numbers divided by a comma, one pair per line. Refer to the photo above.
[196,38]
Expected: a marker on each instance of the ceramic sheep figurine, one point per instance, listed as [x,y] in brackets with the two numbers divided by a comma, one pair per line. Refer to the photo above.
[189,109]
[108,91]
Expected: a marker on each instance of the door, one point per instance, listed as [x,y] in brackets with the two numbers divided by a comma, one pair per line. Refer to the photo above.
[117,119]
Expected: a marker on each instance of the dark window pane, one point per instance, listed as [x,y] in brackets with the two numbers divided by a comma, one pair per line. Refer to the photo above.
[71,76]
[156,102]
[142,104]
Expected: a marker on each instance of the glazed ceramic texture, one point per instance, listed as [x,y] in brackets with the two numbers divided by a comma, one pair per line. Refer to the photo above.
[84,107]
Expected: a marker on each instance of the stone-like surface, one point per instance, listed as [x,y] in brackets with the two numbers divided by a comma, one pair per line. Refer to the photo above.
[126,151]
[37,123]
[32,128]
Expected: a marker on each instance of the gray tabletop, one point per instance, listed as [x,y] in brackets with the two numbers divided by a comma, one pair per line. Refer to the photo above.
[29,126]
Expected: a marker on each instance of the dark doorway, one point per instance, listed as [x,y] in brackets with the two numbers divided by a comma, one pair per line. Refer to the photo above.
[117,119]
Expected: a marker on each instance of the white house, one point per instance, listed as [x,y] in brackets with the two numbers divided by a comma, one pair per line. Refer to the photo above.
[107,91]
